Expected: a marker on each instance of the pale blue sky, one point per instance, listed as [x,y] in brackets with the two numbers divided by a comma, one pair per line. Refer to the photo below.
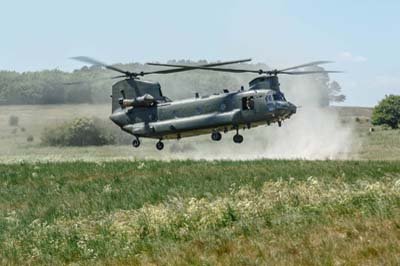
[363,37]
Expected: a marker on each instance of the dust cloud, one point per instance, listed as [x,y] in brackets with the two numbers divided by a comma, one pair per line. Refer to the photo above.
[314,132]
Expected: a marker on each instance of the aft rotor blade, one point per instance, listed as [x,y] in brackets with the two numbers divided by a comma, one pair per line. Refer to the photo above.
[92,80]
[308,72]
[181,68]
[95,62]
[306,65]
[74,83]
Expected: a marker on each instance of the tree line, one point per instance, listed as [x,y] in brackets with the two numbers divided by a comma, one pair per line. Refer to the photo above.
[91,84]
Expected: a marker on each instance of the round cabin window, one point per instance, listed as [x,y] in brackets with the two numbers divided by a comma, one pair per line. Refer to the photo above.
[222,107]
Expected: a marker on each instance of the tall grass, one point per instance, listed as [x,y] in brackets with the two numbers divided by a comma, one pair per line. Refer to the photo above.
[186,212]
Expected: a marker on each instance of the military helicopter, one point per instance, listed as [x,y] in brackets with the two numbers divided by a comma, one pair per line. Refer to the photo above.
[140,108]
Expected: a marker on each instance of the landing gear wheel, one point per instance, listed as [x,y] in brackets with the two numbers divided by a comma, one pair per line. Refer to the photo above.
[160,145]
[216,136]
[238,138]
[279,123]
[136,143]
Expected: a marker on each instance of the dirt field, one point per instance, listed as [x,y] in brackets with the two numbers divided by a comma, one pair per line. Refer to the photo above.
[377,145]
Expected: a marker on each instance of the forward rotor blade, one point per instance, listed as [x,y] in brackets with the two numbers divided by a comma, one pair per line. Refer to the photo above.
[306,65]
[206,65]
[232,70]
[95,62]
[308,72]
[270,72]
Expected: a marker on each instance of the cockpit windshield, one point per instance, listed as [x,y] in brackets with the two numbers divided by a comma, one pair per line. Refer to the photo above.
[278,96]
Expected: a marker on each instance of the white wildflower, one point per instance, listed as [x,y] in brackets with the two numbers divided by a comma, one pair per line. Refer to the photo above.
[35,223]
[107,188]
[36,252]
[141,166]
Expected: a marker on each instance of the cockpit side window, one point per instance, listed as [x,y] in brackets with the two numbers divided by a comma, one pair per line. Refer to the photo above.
[269,98]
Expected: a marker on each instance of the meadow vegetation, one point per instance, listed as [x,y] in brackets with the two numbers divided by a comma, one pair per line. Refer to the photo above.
[203,213]
[57,209]
[13,120]
[78,132]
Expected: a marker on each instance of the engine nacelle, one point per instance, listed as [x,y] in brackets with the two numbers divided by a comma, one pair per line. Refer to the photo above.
[145,100]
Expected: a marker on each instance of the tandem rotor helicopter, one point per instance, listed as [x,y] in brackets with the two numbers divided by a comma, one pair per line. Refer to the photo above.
[140,108]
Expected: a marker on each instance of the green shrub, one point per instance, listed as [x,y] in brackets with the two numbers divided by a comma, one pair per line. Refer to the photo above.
[30,138]
[13,120]
[79,132]
[387,112]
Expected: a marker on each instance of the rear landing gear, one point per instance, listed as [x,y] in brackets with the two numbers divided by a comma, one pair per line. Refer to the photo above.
[136,142]
[160,145]
[216,136]
[238,138]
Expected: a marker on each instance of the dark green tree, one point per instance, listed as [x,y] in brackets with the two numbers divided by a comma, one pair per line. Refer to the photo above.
[335,94]
[387,112]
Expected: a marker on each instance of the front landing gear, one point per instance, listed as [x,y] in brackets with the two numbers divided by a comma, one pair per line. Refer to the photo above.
[238,138]
[136,142]
[160,145]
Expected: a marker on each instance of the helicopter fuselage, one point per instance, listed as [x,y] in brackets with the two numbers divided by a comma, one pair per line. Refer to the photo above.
[205,115]
[143,111]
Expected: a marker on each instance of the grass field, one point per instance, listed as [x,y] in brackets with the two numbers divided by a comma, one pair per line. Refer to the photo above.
[203,213]
[108,206]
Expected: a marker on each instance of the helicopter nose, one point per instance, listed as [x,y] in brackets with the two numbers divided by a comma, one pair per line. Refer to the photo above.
[292,108]
[286,109]
[286,106]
